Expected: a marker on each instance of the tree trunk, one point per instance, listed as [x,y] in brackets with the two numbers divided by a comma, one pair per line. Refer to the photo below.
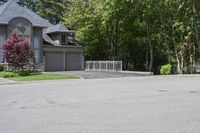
[150,47]
[147,59]
[178,67]
[195,25]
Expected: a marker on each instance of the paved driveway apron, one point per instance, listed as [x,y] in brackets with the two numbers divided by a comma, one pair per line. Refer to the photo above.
[98,75]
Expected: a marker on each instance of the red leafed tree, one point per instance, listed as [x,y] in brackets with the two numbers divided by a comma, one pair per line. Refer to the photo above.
[17,51]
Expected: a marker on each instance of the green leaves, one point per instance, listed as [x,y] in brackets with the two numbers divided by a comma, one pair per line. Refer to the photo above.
[52,10]
[117,29]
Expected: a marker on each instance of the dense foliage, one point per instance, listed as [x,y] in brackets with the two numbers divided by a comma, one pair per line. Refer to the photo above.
[25,3]
[5,74]
[144,34]
[52,10]
[17,52]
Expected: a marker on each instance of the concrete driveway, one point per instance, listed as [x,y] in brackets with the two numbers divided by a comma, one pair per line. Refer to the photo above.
[98,75]
[122,105]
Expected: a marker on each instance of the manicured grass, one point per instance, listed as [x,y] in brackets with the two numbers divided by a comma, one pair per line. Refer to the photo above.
[44,76]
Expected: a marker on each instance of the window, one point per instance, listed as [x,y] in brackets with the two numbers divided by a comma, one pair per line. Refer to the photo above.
[63,39]
[36,43]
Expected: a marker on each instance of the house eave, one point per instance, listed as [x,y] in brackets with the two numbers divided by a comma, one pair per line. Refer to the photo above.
[63,46]
[57,32]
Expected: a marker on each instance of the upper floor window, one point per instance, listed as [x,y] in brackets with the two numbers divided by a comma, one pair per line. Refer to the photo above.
[63,39]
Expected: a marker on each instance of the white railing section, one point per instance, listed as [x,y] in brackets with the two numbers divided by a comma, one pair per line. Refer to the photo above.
[114,66]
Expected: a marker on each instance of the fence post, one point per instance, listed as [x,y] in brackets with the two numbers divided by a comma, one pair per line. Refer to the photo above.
[113,65]
[121,66]
[86,66]
[100,65]
[93,62]
[105,66]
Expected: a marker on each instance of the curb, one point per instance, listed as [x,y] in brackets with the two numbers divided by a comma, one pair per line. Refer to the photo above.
[138,72]
[8,83]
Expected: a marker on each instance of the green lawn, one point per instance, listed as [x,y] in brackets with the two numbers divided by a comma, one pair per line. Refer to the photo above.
[44,76]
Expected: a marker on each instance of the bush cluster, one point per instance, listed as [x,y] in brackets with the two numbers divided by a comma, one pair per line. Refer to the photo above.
[18,73]
[5,74]
[17,51]
[166,69]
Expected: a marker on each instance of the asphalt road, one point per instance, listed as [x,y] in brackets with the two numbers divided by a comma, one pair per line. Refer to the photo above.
[122,105]
[6,81]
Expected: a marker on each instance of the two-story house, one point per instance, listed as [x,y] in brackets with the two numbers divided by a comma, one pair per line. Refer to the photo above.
[54,45]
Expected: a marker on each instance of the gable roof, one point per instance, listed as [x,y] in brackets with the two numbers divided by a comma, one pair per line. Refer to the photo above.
[59,28]
[48,40]
[11,10]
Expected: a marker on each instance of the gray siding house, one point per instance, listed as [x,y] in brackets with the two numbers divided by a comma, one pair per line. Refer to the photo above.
[54,45]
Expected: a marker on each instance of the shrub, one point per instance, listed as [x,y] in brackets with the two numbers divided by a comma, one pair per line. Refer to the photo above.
[17,51]
[166,69]
[1,67]
[35,72]
[23,73]
[7,74]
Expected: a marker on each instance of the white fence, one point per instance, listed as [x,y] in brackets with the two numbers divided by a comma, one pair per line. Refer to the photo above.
[114,66]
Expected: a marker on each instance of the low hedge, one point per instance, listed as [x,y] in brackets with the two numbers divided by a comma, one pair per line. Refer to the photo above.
[5,74]
[18,73]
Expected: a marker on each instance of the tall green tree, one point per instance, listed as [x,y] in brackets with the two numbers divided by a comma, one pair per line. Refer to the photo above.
[144,34]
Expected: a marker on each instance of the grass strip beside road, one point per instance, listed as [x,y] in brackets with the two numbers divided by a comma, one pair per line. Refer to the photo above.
[44,76]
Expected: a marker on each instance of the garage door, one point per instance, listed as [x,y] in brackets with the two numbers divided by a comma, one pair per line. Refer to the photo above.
[73,61]
[54,61]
